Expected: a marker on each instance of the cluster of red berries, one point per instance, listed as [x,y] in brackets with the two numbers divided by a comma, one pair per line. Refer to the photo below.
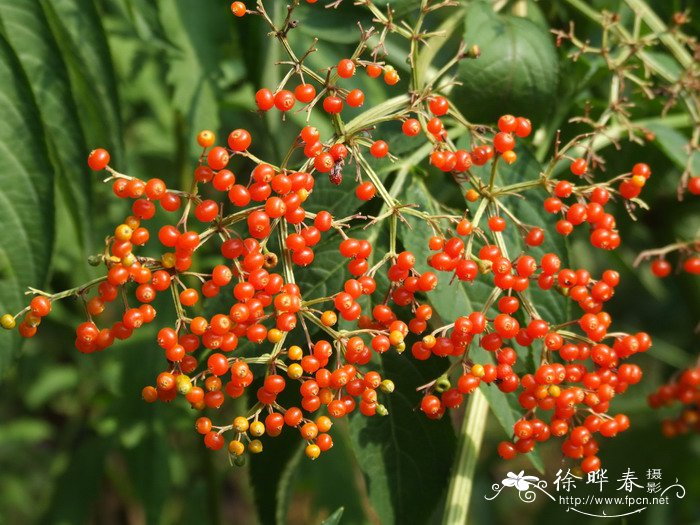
[261,297]
[590,204]
[334,98]
[580,382]
[685,389]
[210,357]
[268,306]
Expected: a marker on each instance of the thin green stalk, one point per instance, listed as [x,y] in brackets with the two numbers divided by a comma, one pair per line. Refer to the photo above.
[657,26]
[469,445]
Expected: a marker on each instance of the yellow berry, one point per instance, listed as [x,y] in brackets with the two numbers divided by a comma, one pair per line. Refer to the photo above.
[396,338]
[329,318]
[295,353]
[257,428]
[168,260]
[236,448]
[313,451]
[240,424]
[8,322]
[324,423]
[255,446]
[123,232]
[295,371]
[387,386]
[274,335]
[183,384]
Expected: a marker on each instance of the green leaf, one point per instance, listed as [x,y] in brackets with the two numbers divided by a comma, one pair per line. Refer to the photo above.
[26,196]
[28,32]
[674,145]
[194,65]
[79,484]
[52,381]
[516,73]
[144,428]
[334,519]
[306,481]
[77,28]
[406,458]
[24,431]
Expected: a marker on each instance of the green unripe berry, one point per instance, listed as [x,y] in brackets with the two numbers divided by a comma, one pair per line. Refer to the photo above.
[183,384]
[442,383]
[387,386]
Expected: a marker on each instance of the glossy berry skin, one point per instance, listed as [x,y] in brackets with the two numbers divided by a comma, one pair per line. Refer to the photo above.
[264,99]
[332,105]
[98,159]
[346,68]
[411,127]
[284,100]
[305,93]
[579,167]
[439,106]
[503,142]
[379,149]
[355,98]
[238,9]
[661,268]
[365,191]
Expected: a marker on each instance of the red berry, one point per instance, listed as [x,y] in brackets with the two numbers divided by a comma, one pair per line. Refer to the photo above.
[264,99]
[332,104]
[346,68]
[379,149]
[661,268]
[98,159]
[284,100]
[305,93]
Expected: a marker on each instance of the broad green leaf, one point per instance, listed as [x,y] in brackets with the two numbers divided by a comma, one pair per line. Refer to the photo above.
[406,457]
[516,73]
[674,145]
[26,195]
[28,32]
[77,28]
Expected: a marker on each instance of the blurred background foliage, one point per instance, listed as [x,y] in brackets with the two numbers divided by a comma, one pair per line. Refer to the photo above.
[141,77]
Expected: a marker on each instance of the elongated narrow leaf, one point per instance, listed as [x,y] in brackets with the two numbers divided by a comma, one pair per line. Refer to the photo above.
[77,27]
[28,32]
[26,193]
[334,519]
[195,65]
